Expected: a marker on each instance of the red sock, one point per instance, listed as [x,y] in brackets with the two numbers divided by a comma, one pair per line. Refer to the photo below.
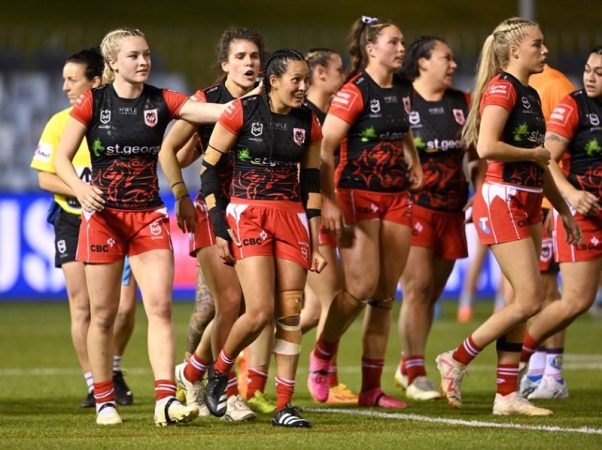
[466,351]
[257,380]
[402,364]
[104,392]
[165,389]
[372,370]
[507,378]
[415,367]
[195,368]
[224,362]
[284,392]
[333,376]
[232,388]
[324,349]
[529,347]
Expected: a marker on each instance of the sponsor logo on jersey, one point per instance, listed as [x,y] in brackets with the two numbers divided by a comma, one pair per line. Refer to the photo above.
[43,151]
[128,111]
[299,136]
[561,114]
[459,116]
[97,147]
[414,117]
[151,117]
[257,129]
[344,99]
[375,106]
[105,116]
[594,120]
[368,134]
[592,147]
[111,242]
[499,90]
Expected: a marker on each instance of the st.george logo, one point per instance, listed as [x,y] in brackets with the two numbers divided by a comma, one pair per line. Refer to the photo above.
[299,136]
[151,117]
[459,116]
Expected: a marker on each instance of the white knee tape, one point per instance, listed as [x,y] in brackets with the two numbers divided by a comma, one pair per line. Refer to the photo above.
[283,347]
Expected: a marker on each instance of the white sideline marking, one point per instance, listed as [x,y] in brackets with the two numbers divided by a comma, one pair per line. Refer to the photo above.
[466,423]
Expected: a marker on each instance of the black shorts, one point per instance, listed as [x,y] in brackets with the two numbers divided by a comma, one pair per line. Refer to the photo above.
[66,234]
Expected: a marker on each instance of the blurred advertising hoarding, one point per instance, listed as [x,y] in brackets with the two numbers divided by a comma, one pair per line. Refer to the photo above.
[27,269]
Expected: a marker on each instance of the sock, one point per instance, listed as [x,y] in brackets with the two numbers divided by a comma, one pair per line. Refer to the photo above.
[256,382]
[195,368]
[537,363]
[507,378]
[529,347]
[104,392]
[284,392]
[554,360]
[415,367]
[333,376]
[224,362]
[116,363]
[324,349]
[232,388]
[89,381]
[466,351]
[164,390]
[372,370]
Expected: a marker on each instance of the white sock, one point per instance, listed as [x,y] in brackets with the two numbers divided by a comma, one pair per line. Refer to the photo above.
[537,364]
[554,361]
[116,363]
[163,401]
[89,381]
[466,300]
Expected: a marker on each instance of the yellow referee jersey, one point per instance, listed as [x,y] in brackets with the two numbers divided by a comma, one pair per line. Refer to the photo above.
[43,159]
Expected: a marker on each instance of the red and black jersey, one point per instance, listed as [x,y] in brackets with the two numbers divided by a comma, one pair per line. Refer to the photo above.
[372,154]
[525,128]
[578,118]
[124,137]
[269,148]
[321,115]
[216,94]
[437,129]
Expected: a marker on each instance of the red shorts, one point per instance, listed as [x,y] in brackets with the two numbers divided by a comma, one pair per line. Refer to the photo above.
[109,235]
[327,238]
[547,263]
[203,235]
[503,213]
[358,205]
[277,228]
[591,247]
[441,231]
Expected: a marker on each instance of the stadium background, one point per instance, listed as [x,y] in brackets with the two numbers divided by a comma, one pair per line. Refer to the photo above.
[35,37]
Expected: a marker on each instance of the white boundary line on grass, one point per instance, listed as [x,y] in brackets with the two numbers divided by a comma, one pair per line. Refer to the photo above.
[466,423]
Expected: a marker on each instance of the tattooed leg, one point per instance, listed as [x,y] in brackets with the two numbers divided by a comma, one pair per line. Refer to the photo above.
[203,313]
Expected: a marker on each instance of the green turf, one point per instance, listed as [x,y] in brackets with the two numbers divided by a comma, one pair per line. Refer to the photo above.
[40,389]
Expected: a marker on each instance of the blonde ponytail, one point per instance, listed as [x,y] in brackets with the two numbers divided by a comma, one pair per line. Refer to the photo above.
[493,59]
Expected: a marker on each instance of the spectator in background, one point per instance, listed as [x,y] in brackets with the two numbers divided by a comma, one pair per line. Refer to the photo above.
[82,71]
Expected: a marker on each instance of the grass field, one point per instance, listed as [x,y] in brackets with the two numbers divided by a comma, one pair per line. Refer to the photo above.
[41,387]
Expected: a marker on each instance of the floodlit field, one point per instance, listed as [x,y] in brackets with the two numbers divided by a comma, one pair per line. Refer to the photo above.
[41,388]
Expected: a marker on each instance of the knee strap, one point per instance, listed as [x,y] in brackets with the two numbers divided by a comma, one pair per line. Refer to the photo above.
[288,337]
[384,303]
[350,299]
[504,346]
